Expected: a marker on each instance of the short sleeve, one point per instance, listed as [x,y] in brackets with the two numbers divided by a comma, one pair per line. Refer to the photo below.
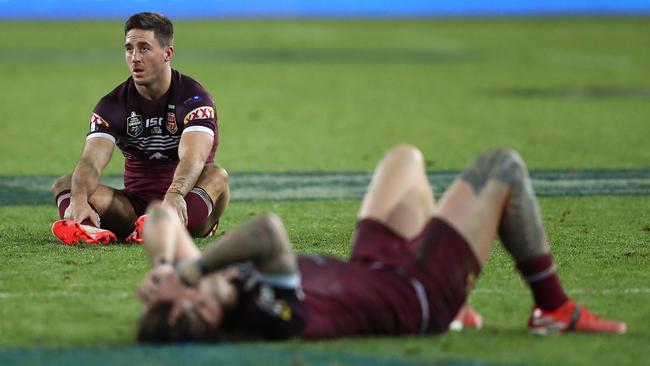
[100,126]
[199,114]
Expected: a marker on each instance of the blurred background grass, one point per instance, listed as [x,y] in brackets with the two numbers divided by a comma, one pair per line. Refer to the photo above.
[566,92]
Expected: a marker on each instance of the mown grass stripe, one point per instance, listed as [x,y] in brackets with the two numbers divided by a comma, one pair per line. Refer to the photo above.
[303,186]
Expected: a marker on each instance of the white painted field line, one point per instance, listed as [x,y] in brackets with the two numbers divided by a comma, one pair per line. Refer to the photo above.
[46,294]
[605,291]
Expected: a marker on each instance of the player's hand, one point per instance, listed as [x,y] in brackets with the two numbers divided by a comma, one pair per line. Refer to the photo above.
[178,203]
[162,284]
[79,210]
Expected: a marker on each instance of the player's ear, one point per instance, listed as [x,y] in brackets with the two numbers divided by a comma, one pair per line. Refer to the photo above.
[169,53]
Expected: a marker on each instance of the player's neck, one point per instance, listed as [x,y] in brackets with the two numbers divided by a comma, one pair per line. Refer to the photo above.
[158,88]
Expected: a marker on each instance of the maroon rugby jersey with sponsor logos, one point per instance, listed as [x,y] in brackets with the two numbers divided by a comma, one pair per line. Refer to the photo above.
[331,298]
[148,132]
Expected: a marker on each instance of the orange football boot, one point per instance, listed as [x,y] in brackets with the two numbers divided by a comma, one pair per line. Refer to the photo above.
[72,233]
[571,317]
[136,235]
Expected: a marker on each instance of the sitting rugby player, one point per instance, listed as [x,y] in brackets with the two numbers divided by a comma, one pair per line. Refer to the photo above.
[165,124]
[411,266]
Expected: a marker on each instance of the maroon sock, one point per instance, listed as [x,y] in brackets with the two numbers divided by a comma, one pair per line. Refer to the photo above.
[540,274]
[63,201]
[199,207]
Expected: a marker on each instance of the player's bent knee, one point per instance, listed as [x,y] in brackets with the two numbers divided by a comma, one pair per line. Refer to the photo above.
[215,177]
[509,167]
[62,184]
[504,165]
[405,152]
[221,176]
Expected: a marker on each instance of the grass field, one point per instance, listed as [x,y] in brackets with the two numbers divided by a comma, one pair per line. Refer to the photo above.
[331,96]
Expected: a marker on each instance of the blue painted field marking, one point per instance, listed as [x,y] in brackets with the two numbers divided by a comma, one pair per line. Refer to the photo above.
[306,186]
[217,354]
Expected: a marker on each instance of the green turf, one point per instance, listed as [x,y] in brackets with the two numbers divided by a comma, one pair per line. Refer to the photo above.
[324,95]
[54,295]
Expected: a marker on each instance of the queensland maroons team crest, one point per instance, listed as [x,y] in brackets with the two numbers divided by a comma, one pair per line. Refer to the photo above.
[172,127]
[134,125]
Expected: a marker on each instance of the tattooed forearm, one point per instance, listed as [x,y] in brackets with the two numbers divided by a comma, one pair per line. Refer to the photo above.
[262,240]
[177,186]
[185,177]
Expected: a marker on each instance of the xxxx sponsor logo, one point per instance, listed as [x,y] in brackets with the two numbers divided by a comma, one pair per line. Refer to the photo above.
[205,112]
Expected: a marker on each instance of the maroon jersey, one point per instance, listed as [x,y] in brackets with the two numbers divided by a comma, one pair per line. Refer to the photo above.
[349,298]
[390,285]
[329,298]
[148,132]
[267,306]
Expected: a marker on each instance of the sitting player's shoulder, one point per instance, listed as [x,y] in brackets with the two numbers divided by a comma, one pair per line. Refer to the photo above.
[117,95]
[192,92]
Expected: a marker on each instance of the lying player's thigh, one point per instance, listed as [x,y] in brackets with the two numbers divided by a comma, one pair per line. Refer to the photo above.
[399,194]
[476,217]
[116,211]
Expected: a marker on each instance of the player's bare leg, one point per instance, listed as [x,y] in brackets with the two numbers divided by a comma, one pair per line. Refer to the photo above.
[399,194]
[114,209]
[401,197]
[206,202]
[495,194]
[214,181]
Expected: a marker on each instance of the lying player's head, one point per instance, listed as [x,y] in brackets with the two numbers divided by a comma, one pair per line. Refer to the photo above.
[161,26]
[205,309]
[154,326]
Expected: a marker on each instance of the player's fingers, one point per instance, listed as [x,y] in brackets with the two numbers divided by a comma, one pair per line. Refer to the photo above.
[143,293]
[95,219]
[68,213]
[184,213]
[179,214]
[211,314]
[176,312]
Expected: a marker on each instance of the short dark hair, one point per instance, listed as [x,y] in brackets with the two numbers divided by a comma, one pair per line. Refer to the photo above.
[162,27]
[153,327]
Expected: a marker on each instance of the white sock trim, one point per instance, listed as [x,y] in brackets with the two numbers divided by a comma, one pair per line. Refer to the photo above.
[61,198]
[204,196]
[540,275]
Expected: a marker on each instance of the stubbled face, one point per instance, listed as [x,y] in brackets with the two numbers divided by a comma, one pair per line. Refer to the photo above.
[146,58]
[215,293]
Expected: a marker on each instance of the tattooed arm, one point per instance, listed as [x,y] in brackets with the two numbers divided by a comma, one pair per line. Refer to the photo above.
[193,151]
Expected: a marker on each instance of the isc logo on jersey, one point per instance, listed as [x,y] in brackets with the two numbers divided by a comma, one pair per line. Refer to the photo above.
[205,112]
[95,121]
